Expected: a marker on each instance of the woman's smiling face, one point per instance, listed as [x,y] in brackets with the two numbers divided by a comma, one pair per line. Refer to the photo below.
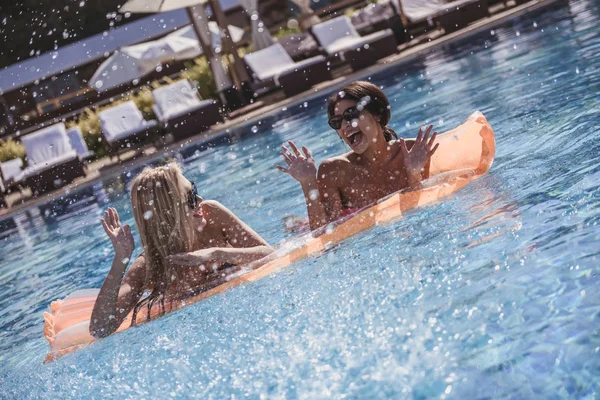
[358,133]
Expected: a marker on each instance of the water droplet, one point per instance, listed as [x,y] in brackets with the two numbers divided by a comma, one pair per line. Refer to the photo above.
[492,32]
[577,70]
[148,215]
[313,194]
[254,129]
[329,229]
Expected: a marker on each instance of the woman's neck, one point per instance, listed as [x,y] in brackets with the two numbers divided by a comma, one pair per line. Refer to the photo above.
[378,152]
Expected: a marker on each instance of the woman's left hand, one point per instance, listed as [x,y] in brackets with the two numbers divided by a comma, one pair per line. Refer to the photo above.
[416,158]
[193,259]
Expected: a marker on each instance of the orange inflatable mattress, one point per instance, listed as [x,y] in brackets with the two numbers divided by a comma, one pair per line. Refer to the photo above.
[465,153]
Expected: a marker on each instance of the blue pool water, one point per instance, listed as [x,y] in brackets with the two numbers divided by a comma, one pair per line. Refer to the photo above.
[491,293]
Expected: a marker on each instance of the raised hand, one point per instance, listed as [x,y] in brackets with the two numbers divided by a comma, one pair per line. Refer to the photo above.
[301,164]
[120,236]
[198,258]
[416,158]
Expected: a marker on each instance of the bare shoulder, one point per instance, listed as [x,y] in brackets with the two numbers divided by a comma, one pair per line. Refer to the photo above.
[216,212]
[336,164]
[213,206]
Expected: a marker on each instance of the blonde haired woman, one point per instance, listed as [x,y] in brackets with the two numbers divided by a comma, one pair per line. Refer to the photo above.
[187,243]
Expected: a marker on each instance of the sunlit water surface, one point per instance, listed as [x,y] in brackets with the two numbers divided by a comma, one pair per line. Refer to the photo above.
[491,293]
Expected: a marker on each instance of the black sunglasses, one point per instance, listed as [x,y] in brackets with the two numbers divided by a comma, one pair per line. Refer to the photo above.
[349,114]
[193,197]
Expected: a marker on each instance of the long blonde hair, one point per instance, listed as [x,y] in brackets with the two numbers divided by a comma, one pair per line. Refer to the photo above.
[161,211]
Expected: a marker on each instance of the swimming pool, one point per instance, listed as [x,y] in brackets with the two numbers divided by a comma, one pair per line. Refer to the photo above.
[489,294]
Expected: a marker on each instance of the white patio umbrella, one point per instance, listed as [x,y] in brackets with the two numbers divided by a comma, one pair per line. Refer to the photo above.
[133,62]
[155,6]
[118,69]
[189,32]
[261,37]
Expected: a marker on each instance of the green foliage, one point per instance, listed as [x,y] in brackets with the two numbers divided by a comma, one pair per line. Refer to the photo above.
[349,11]
[286,31]
[11,149]
[199,71]
[89,124]
[144,101]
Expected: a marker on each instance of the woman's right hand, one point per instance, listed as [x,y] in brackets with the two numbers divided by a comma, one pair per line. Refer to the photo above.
[301,165]
[120,236]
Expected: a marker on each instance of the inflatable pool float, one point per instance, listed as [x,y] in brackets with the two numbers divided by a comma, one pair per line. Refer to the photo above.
[465,153]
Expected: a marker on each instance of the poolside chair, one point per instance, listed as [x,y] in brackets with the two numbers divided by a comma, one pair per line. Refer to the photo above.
[273,67]
[78,143]
[339,38]
[124,125]
[450,15]
[52,161]
[299,45]
[378,17]
[10,170]
[182,112]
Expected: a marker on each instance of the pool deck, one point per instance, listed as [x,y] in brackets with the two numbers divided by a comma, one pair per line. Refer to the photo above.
[105,168]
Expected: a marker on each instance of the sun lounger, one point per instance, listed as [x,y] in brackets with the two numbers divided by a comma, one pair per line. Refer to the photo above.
[10,170]
[378,17]
[181,111]
[124,125]
[273,67]
[339,38]
[52,161]
[78,143]
[299,45]
[450,15]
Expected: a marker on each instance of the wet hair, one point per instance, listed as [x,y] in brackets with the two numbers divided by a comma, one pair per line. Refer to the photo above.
[374,101]
[161,209]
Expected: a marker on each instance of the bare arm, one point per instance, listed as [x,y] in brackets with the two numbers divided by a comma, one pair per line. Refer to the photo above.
[302,167]
[117,296]
[246,245]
